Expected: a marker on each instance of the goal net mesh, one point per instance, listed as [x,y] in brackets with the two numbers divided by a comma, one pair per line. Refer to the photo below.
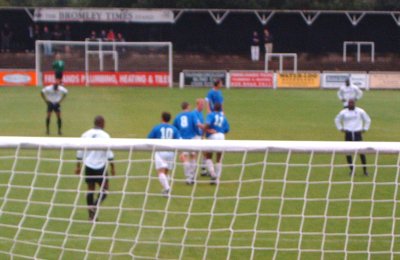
[274,200]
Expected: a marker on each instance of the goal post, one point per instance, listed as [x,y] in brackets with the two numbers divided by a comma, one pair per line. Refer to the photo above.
[274,200]
[105,63]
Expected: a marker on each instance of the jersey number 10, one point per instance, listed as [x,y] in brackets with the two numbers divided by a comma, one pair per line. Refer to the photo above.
[166,133]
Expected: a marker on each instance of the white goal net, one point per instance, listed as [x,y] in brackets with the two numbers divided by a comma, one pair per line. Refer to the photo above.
[104,63]
[274,200]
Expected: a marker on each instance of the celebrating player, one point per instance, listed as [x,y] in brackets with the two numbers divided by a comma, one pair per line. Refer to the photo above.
[187,124]
[53,95]
[164,160]
[349,91]
[96,164]
[216,127]
[214,96]
[353,121]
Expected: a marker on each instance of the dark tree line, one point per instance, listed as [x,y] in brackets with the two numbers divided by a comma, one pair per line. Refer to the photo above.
[223,4]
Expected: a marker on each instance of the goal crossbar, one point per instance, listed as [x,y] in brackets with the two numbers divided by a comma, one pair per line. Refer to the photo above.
[201,145]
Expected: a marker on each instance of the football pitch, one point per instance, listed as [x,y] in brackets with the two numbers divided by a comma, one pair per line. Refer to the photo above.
[229,220]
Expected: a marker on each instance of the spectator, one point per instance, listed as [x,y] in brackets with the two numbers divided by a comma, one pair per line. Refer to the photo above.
[120,38]
[6,35]
[93,36]
[67,37]
[57,35]
[36,33]
[47,37]
[111,35]
[255,47]
[268,41]
[31,39]
[103,35]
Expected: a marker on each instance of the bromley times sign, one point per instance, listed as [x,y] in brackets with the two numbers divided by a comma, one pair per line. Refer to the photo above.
[102,15]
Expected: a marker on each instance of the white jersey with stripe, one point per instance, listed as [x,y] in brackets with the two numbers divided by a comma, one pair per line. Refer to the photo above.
[95,159]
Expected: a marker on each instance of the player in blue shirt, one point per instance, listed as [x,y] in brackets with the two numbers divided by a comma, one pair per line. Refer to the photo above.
[215,128]
[198,111]
[214,96]
[187,124]
[164,160]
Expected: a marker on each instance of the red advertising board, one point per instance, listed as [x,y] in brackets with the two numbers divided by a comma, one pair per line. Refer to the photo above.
[160,79]
[17,78]
[245,79]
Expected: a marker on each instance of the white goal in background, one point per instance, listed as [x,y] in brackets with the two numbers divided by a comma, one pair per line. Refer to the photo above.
[275,199]
[281,57]
[100,63]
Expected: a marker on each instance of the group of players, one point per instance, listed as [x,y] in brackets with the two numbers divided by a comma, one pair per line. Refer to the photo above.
[188,124]
[191,125]
[352,120]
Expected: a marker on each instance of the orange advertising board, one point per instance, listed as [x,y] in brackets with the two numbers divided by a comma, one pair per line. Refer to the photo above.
[384,80]
[17,78]
[298,80]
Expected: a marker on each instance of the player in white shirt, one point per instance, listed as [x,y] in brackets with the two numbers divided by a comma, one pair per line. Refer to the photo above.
[96,163]
[349,91]
[353,121]
[53,95]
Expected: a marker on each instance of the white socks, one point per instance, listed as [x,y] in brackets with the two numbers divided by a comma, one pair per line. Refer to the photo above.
[218,169]
[210,167]
[164,181]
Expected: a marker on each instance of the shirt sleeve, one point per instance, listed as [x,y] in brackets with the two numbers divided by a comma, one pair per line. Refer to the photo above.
[110,155]
[79,154]
[367,121]
[338,121]
[176,124]
[227,127]
[151,135]
[209,119]
[177,135]
[339,94]
[359,93]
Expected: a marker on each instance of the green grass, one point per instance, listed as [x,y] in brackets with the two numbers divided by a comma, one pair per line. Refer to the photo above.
[254,115]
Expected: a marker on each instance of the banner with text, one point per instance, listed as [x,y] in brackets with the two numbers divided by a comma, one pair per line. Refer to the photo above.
[384,80]
[298,80]
[145,79]
[251,79]
[202,78]
[17,78]
[102,15]
[335,80]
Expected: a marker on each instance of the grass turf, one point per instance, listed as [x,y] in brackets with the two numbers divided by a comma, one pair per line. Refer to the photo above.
[237,233]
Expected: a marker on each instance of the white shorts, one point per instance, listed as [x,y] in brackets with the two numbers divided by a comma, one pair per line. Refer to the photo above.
[217,136]
[164,160]
[197,137]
